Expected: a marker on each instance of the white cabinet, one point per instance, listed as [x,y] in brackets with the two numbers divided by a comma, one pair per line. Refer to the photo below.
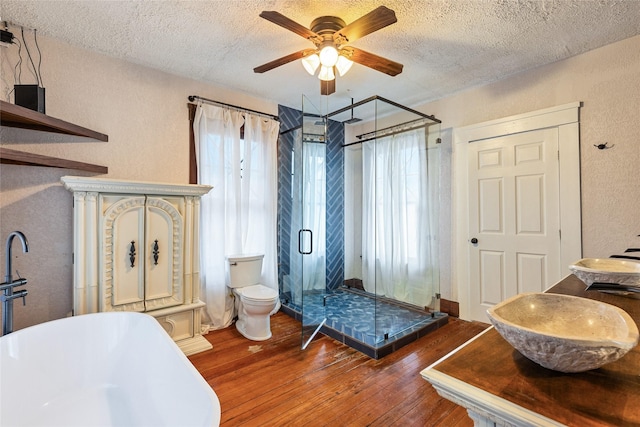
[136,248]
[142,251]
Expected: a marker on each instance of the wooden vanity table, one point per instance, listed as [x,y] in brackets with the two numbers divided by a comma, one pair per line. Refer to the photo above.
[501,387]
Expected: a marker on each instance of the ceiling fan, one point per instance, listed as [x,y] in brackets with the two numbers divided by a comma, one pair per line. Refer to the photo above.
[331,37]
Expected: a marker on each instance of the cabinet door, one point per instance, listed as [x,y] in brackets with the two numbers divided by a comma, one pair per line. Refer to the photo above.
[164,252]
[122,253]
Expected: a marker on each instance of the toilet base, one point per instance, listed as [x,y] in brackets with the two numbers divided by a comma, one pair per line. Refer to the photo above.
[261,334]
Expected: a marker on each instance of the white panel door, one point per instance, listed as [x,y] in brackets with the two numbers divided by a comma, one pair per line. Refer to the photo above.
[514,217]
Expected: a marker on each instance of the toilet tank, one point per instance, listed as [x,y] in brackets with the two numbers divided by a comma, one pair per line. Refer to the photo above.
[244,270]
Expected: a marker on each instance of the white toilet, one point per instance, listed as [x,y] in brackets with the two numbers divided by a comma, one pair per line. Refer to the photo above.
[254,302]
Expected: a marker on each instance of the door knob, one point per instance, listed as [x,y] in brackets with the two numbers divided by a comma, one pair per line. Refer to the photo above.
[474,240]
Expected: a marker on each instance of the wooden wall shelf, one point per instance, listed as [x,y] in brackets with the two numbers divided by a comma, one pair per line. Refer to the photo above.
[15,157]
[20,117]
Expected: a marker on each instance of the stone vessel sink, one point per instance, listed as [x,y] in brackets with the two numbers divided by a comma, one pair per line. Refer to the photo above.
[607,270]
[563,332]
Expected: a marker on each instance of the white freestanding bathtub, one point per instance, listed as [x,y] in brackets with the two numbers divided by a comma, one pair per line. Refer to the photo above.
[103,369]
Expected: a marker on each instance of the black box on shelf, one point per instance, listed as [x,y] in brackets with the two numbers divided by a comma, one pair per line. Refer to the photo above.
[30,96]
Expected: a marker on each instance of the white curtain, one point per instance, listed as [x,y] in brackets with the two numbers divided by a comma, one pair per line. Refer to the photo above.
[239,214]
[308,212]
[399,260]
[312,203]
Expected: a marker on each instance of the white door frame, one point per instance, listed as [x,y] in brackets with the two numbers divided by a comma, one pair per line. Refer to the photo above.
[566,119]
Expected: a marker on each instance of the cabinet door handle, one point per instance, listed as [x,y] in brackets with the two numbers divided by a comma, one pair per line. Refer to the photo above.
[132,253]
[156,252]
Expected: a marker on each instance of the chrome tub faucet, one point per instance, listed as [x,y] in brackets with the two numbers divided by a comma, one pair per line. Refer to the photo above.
[8,294]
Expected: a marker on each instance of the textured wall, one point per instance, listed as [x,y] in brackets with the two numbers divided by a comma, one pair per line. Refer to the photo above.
[607,81]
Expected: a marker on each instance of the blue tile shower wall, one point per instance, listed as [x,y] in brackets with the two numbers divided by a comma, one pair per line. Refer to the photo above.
[291,118]
[335,205]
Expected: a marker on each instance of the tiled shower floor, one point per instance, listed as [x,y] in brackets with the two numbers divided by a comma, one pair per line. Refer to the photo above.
[373,326]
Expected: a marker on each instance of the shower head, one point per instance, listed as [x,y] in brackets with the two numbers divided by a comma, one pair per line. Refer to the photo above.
[352,119]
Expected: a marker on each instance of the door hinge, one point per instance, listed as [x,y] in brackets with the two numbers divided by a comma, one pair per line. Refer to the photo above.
[560,234]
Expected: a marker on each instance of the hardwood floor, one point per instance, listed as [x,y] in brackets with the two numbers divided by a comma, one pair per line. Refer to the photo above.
[275,383]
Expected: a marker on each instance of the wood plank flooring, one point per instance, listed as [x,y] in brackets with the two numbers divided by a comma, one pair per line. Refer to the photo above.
[275,383]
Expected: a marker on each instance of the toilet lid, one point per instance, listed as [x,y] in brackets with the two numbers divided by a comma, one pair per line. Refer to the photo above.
[259,292]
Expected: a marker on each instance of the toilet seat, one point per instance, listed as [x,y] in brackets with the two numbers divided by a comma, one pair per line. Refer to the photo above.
[257,293]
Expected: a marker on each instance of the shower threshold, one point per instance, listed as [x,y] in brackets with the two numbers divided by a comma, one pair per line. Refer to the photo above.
[374,326]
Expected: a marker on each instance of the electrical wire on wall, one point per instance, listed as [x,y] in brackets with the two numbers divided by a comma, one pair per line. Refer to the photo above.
[17,71]
[9,39]
[6,39]
[36,71]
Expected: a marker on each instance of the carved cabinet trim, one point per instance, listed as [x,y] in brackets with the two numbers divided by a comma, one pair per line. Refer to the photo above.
[136,248]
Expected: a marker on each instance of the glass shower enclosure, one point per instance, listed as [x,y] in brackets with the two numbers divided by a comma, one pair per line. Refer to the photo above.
[367,174]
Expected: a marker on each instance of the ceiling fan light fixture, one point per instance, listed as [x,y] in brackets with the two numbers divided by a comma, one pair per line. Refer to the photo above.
[328,56]
[343,65]
[331,37]
[311,63]
[326,73]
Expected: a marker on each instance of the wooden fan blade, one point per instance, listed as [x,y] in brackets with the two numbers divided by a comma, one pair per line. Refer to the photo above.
[376,62]
[367,24]
[327,87]
[279,19]
[284,60]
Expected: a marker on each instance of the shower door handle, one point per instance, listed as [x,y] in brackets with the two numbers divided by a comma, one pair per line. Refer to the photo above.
[300,241]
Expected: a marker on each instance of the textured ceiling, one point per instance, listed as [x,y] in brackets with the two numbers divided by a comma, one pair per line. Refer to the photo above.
[445,46]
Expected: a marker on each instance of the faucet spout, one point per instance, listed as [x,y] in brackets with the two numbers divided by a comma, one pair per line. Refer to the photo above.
[8,295]
[25,248]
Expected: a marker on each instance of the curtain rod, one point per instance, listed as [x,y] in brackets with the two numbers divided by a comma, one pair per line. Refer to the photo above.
[193,98]
[408,125]
[395,132]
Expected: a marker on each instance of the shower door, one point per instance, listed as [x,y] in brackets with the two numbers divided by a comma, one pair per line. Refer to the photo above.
[309,211]
[301,219]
